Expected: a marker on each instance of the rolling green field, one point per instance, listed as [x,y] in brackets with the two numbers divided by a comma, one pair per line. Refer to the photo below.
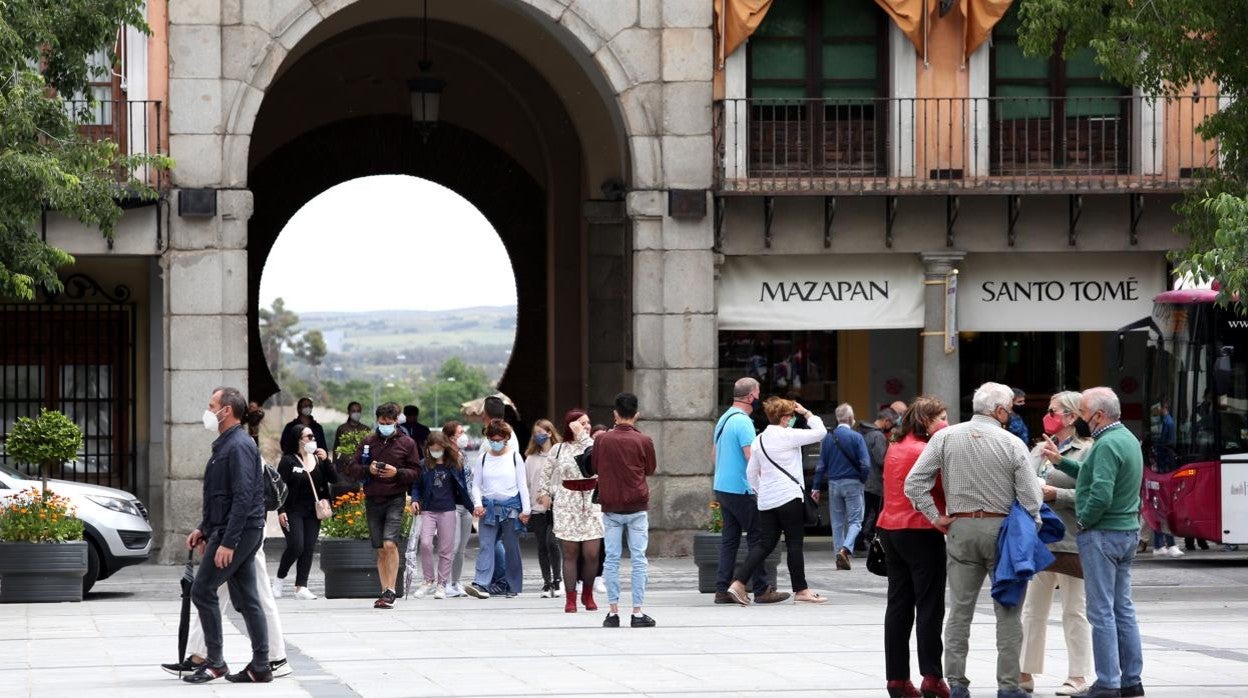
[413,329]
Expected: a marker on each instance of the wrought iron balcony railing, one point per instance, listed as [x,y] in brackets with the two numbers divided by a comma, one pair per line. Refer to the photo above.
[949,145]
[135,125]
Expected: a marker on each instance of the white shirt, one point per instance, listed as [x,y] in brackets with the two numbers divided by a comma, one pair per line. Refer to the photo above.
[784,445]
[501,477]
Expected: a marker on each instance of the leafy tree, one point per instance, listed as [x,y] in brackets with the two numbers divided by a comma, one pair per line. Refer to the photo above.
[310,348]
[277,329]
[455,383]
[1168,47]
[45,160]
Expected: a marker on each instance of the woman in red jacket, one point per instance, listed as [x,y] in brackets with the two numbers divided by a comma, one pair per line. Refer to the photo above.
[915,553]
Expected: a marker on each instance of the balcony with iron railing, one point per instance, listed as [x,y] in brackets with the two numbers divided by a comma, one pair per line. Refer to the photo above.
[134,125]
[969,145]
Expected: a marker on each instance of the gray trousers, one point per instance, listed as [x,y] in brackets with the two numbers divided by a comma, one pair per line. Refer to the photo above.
[971,554]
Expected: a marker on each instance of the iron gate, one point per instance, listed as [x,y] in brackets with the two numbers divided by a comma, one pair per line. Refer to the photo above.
[75,352]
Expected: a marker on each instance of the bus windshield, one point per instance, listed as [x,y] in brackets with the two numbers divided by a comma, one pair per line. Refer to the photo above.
[1197,384]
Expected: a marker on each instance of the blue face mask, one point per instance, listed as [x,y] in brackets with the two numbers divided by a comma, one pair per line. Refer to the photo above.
[498,446]
[541,439]
[386,429]
[792,421]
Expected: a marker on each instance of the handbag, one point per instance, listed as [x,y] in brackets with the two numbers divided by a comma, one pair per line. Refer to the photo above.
[323,509]
[810,508]
[1067,564]
[877,563]
[275,489]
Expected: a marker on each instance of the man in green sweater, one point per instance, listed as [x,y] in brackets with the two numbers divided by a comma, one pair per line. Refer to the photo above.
[1107,505]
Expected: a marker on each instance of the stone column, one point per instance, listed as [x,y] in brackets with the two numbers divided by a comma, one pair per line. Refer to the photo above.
[941,375]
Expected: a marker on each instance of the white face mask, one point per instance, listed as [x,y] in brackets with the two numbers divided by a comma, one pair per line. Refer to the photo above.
[435,454]
[462,441]
[309,447]
[210,420]
[305,411]
[402,418]
[355,416]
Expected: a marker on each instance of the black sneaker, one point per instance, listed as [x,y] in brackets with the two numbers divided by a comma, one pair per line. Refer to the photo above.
[280,668]
[204,673]
[644,621]
[554,589]
[477,590]
[497,589]
[250,674]
[611,621]
[386,600]
[186,666]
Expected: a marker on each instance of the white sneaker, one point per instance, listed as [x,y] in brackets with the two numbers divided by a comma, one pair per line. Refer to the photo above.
[425,589]
[279,585]
[600,587]
[304,593]
[1174,551]
[439,592]
[455,591]
[579,584]
[1159,552]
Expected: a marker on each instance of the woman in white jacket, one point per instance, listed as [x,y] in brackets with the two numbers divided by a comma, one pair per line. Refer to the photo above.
[775,473]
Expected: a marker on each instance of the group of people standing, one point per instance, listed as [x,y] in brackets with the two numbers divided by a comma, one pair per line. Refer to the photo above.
[956,504]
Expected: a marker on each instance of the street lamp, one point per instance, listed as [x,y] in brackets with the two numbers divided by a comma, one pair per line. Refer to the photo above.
[377,395]
[426,90]
[435,398]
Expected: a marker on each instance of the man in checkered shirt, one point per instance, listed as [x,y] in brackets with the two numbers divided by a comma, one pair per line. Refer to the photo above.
[983,469]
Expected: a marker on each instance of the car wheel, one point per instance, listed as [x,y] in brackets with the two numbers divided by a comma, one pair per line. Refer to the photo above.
[93,567]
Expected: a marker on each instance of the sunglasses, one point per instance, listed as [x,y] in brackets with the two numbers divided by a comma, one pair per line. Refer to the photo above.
[1056,412]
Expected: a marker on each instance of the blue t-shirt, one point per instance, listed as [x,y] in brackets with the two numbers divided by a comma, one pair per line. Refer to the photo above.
[735,431]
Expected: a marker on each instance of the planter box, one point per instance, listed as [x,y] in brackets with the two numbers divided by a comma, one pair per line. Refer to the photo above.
[706,557]
[42,572]
[350,568]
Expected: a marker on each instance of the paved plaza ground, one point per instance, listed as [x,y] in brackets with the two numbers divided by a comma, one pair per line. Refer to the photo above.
[1192,614]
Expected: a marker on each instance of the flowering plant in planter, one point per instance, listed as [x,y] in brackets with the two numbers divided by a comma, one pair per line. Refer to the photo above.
[350,442]
[716,524]
[31,517]
[349,521]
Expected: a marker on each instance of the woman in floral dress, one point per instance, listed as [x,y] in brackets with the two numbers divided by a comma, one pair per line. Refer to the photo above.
[578,519]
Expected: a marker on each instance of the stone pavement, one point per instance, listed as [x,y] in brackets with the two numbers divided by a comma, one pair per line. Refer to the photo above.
[1192,616]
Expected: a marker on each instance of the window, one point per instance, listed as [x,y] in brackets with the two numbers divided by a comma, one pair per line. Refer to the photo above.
[1054,113]
[816,72]
[796,364]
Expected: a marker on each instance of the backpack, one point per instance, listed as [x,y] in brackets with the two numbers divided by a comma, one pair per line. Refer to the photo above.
[275,489]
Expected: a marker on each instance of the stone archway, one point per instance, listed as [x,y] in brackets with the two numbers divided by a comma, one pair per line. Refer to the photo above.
[646,65]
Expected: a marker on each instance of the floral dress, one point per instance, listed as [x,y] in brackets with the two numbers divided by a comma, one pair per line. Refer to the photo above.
[577,517]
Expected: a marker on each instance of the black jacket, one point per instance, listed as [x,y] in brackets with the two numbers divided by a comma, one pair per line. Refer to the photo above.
[233,488]
[300,499]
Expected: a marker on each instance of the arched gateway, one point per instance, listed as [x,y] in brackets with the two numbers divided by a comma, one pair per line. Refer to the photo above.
[566,124]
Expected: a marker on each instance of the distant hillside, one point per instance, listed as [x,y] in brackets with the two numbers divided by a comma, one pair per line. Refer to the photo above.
[398,330]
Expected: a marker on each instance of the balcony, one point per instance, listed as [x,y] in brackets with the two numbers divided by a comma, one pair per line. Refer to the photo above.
[936,145]
[135,125]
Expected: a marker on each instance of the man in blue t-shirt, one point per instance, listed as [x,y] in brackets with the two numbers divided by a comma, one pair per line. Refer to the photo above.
[733,436]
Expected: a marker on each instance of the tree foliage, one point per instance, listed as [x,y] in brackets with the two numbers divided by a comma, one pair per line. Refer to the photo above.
[455,383]
[310,348]
[45,160]
[1172,48]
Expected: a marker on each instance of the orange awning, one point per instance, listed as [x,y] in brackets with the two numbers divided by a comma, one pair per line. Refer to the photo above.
[735,20]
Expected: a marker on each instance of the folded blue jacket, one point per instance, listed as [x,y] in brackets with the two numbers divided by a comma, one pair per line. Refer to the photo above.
[1022,551]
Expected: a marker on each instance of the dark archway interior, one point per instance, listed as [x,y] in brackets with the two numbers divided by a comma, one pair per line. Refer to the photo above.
[479,171]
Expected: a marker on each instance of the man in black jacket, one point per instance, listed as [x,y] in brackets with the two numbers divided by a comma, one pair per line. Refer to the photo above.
[231,532]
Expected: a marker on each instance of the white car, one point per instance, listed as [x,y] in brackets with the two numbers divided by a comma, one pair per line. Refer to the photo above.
[115,522]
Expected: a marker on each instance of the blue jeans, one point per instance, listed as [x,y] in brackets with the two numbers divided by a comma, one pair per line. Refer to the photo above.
[488,535]
[638,525]
[1106,558]
[845,508]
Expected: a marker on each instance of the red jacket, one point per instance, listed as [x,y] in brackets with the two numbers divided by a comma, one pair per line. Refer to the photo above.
[623,457]
[898,512]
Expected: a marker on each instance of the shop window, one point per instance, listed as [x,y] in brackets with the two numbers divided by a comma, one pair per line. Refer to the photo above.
[1052,112]
[817,71]
[1012,358]
[800,365]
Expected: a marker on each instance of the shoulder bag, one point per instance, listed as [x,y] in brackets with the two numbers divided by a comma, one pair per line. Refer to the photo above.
[275,489]
[323,509]
[877,563]
[810,507]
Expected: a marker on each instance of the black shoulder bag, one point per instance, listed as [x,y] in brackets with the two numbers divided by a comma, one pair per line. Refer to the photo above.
[810,507]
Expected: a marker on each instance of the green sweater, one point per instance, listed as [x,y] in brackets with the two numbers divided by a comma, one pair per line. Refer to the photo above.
[1107,482]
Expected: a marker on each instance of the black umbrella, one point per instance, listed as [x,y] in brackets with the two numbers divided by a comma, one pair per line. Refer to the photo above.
[184,623]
